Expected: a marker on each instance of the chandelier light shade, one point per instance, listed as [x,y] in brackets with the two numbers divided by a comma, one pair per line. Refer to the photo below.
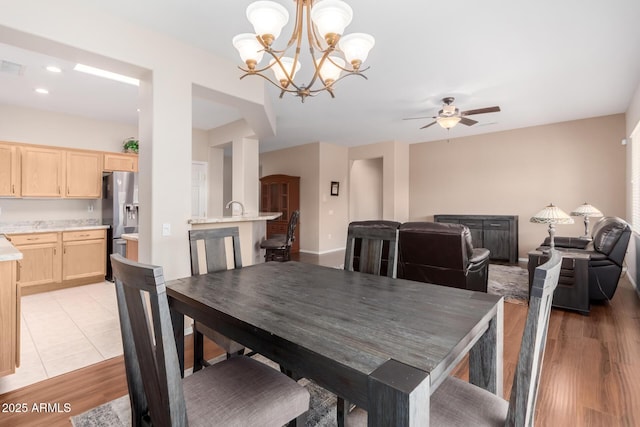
[320,24]
[448,122]
[551,215]
[587,211]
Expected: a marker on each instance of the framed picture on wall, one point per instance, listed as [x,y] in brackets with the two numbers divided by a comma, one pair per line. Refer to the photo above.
[334,188]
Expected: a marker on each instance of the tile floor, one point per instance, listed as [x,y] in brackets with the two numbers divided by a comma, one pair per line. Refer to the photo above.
[65,330]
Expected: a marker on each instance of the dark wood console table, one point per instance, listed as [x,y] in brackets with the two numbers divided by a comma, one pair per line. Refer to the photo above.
[498,233]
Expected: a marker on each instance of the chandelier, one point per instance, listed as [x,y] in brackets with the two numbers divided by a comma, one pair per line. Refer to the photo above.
[333,55]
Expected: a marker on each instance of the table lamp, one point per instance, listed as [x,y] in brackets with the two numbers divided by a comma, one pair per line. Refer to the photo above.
[587,211]
[551,215]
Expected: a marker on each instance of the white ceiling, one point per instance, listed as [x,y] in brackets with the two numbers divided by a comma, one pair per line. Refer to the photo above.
[541,62]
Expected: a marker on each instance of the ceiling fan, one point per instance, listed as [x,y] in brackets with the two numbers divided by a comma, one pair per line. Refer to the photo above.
[450,115]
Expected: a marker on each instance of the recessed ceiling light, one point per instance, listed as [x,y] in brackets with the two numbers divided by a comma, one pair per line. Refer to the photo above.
[42,90]
[54,69]
[106,74]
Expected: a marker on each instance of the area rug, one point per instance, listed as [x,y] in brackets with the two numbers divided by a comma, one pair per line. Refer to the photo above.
[509,281]
[117,413]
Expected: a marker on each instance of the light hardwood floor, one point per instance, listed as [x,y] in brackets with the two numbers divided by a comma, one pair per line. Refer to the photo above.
[590,377]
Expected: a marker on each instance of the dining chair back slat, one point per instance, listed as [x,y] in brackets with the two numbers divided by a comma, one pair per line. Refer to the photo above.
[209,250]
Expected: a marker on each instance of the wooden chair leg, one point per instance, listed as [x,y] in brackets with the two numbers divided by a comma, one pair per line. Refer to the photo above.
[198,349]
[342,410]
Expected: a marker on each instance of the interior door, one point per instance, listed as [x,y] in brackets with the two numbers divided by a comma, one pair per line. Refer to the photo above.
[199,189]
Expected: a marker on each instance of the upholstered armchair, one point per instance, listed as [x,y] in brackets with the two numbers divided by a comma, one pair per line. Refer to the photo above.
[606,254]
[443,254]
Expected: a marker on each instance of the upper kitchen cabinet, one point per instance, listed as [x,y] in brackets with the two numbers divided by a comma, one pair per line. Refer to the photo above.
[84,174]
[120,162]
[42,171]
[9,170]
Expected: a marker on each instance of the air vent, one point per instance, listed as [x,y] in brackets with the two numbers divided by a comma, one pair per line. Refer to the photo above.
[11,68]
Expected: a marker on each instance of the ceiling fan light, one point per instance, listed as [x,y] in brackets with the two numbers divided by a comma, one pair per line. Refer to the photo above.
[267,18]
[356,47]
[287,63]
[331,18]
[448,122]
[249,48]
[330,72]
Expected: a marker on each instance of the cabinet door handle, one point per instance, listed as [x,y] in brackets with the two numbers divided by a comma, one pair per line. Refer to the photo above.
[495,225]
[33,238]
[59,189]
[83,235]
[18,272]
[55,251]
[13,189]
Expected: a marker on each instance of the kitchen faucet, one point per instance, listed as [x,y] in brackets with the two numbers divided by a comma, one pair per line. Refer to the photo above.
[241,206]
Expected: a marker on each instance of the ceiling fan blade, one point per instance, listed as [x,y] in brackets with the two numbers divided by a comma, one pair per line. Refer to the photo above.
[430,124]
[467,121]
[481,111]
[416,118]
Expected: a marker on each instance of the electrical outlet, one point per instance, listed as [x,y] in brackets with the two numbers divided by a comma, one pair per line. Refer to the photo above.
[166,229]
[0,211]
[90,207]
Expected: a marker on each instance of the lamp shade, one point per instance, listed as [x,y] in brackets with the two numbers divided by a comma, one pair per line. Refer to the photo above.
[586,210]
[330,72]
[356,47]
[267,17]
[448,122]
[331,16]
[248,47]
[287,63]
[551,215]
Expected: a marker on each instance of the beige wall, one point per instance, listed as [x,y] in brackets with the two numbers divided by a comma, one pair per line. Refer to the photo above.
[334,210]
[365,189]
[395,175]
[302,161]
[518,172]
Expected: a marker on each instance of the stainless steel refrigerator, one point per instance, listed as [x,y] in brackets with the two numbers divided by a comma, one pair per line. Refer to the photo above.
[119,210]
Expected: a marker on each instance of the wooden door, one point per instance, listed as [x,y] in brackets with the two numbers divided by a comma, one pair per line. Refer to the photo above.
[9,174]
[42,172]
[84,175]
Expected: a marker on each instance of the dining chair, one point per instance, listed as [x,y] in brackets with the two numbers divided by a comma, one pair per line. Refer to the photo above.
[458,403]
[372,247]
[278,246]
[235,392]
[209,254]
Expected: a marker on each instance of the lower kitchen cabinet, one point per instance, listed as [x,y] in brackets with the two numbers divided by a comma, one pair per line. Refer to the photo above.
[58,260]
[83,254]
[10,318]
[41,263]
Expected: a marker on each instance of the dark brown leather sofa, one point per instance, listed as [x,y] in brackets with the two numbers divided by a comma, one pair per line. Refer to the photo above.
[606,254]
[443,254]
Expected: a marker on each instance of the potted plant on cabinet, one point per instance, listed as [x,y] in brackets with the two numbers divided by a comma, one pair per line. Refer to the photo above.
[130,145]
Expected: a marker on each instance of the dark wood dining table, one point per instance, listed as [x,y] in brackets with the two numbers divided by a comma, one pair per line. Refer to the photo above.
[384,344]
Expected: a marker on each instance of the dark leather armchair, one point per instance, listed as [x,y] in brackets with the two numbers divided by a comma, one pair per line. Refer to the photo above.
[606,254]
[443,254]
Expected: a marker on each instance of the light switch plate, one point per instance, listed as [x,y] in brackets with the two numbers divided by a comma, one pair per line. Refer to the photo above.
[166,229]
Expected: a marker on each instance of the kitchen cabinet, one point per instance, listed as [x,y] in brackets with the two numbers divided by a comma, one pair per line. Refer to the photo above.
[498,233]
[9,170]
[55,260]
[84,254]
[9,318]
[83,174]
[41,264]
[281,193]
[120,162]
[42,171]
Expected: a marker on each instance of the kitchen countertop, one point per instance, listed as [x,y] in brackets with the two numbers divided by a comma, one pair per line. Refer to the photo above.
[8,252]
[25,227]
[260,216]
[129,236]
